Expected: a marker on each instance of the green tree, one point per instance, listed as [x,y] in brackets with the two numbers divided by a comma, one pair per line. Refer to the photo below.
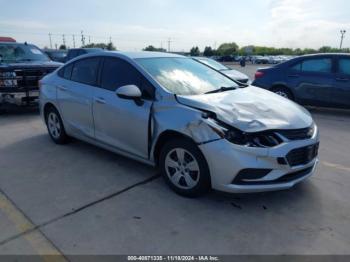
[208,51]
[228,49]
[325,49]
[154,49]
[111,47]
[63,47]
[195,51]
[108,46]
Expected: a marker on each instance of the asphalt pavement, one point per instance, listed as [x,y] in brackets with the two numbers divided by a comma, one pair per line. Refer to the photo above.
[79,199]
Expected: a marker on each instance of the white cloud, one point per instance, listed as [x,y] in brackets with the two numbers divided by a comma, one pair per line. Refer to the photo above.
[305,23]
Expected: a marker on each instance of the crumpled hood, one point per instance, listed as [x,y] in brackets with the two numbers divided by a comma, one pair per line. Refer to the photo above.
[252,109]
[234,74]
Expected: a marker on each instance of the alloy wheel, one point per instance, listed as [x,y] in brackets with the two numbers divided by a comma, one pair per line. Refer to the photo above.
[54,125]
[182,168]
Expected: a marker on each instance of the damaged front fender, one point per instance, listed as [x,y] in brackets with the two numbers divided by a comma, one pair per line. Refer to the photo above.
[190,122]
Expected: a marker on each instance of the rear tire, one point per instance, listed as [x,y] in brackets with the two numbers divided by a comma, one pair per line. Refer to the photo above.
[184,168]
[55,126]
[283,91]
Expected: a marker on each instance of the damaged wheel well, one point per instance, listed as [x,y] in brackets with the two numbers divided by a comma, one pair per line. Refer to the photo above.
[165,137]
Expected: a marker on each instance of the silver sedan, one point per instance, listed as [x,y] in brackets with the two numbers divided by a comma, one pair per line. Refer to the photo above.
[201,128]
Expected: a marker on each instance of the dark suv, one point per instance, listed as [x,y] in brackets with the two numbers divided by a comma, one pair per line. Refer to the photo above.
[21,68]
[75,52]
[317,80]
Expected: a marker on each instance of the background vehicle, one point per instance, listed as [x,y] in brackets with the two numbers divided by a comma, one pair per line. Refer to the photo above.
[56,55]
[21,68]
[261,60]
[317,80]
[75,52]
[200,127]
[231,73]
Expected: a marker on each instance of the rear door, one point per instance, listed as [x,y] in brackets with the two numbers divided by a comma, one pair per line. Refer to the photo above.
[74,95]
[341,91]
[122,123]
[312,80]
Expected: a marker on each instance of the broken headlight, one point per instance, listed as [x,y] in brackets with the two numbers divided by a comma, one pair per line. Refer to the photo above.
[259,139]
[238,137]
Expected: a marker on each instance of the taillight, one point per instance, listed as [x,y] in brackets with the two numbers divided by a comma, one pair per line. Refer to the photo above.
[259,74]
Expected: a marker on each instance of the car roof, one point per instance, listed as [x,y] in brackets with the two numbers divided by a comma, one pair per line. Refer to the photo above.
[326,54]
[146,54]
[15,43]
[128,55]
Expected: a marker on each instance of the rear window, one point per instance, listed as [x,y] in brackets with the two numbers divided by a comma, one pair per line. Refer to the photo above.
[317,65]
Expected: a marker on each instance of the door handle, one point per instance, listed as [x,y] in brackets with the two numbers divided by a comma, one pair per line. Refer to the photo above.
[62,88]
[293,75]
[342,79]
[100,100]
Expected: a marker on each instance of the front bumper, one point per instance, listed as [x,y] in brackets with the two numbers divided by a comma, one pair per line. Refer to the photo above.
[227,160]
[20,98]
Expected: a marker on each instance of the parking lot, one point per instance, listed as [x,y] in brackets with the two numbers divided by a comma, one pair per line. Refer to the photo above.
[79,199]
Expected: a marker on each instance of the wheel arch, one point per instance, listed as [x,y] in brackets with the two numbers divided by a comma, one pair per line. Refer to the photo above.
[46,107]
[282,85]
[163,138]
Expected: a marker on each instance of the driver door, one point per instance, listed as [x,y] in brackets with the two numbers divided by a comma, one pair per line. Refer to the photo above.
[119,122]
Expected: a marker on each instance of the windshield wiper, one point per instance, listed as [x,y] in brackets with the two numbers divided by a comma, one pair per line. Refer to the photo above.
[221,89]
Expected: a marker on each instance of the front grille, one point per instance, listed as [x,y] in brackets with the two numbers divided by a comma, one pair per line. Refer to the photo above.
[302,156]
[28,79]
[298,134]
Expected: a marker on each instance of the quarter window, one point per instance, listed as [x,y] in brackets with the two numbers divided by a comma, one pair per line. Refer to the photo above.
[66,72]
[344,66]
[85,71]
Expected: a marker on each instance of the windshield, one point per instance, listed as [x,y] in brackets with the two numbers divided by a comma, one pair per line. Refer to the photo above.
[184,76]
[212,63]
[13,53]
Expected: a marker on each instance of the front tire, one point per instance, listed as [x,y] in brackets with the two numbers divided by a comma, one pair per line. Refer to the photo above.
[55,126]
[184,168]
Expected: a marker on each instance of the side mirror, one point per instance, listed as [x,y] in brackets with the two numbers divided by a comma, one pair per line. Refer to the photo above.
[129,92]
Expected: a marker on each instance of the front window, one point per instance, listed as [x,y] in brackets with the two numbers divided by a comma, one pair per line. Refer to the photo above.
[16,53]
[213,64]
[184,76]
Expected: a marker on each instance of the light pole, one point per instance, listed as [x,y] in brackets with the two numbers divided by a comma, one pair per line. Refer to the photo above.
[342,32]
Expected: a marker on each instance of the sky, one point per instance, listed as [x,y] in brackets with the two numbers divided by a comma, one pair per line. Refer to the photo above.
[135,24]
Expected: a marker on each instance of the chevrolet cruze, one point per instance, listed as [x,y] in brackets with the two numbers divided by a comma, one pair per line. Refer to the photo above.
[199,127]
